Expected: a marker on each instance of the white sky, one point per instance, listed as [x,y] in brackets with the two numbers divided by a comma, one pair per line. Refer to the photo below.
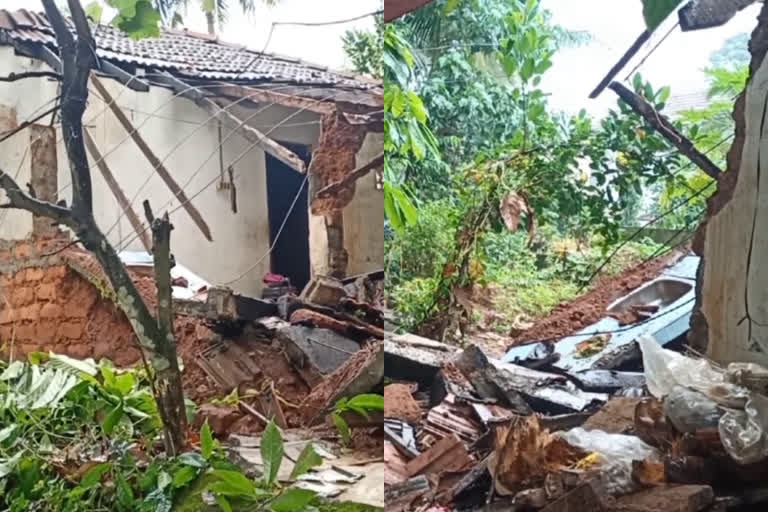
[321,45]
[615,25]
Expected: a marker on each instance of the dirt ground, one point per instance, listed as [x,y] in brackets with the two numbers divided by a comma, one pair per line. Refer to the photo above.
[589,308]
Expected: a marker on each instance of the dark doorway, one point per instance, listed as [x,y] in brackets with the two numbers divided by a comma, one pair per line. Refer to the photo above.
[290,257]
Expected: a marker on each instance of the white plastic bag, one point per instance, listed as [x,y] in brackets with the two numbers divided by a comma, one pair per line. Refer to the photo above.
[665,369]
[743,433]
[617,452]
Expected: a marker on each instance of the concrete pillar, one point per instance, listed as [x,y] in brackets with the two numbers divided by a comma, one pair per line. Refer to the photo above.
[44,174]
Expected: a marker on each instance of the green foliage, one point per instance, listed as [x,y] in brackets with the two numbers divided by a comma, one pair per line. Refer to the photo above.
[137,18]
[656,11]
[364,48]
[55,455]
[271,453]
[360,404]
[407,134]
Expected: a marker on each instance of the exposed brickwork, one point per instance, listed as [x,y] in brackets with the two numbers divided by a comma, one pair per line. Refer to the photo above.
[61,303]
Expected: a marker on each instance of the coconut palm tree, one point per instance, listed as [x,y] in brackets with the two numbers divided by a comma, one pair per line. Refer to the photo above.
[217,12]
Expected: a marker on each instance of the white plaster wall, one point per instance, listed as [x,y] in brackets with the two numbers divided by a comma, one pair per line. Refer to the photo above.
[171,128]
[364,216]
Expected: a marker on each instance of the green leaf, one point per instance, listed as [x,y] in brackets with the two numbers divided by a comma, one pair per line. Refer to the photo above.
[8,465]
[371,402]
[417,107]
[112,419]
[192,459]
[87,366]
[94,10]
[93,475]
[138,20]
[206,441]
[8,433]
[14,370]
[663,94]
[232,483]
[342,427]
[450,6]
[398,103]
[307,460]
[183,476]
[125,493]
[656,11]
[271,452]
[526,72]
[163,480]
[292,500]
[223,503]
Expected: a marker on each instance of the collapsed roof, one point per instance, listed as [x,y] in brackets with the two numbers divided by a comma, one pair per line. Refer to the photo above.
[186,55]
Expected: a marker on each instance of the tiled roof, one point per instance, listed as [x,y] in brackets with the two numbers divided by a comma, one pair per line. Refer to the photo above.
[199,56]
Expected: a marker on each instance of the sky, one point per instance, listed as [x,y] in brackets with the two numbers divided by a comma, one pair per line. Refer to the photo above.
[320,45]
[615,24]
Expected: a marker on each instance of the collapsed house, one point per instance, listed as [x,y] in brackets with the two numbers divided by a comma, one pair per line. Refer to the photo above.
[268,166]
[237,144]
[595,408]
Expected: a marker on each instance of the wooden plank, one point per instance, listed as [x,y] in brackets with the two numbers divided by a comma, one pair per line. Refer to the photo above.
[122,200]
[232,122]
[156,163]
[267,96]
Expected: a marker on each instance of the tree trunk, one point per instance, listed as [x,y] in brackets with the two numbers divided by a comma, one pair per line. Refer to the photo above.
[730,319]
[210,18]
[154,336]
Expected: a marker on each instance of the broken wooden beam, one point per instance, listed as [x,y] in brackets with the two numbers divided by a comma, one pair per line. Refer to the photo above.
[122,200]
[232,122]
[448,454]
[156,163]
[666,129]
[677,498]
[127,79]
[616,69]
[353,176]
[279,98]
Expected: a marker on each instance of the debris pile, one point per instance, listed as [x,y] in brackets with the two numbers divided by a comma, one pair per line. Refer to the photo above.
[465,432]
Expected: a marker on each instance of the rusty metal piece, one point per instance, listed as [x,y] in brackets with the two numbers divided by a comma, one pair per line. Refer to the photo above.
[448,454]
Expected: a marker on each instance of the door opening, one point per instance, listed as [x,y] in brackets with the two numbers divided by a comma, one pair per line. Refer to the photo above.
[290,257]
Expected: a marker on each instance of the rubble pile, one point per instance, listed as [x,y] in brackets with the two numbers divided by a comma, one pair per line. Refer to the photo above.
[466,432]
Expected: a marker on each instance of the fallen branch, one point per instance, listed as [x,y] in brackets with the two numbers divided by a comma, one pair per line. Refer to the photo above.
[13,77]
[666,129]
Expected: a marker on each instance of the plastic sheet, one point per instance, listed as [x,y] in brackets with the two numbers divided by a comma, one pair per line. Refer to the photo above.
[743,433]
[617,452]
[665,369]
[690,410]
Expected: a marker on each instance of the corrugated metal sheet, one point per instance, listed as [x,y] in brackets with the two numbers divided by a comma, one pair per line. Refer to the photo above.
[196,55]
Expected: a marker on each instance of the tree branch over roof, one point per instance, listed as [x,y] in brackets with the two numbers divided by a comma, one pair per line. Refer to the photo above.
[666,129]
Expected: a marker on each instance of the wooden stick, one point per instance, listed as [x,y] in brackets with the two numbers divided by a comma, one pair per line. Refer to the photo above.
[616,69]
[353,176]
[666,129]
[153,159]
